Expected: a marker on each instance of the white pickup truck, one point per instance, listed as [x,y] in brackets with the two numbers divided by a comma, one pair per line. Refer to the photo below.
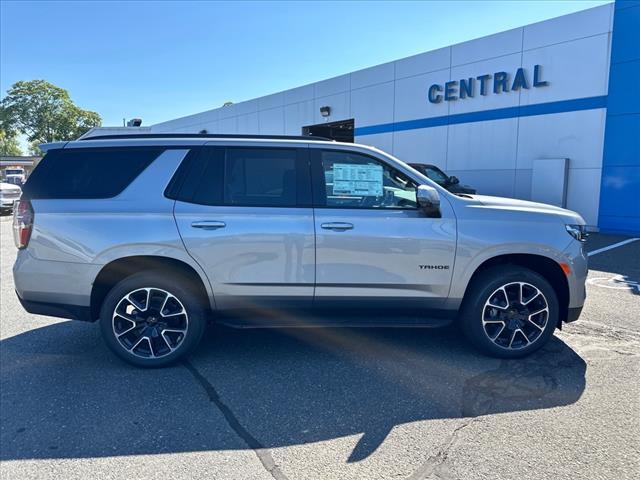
[15,175]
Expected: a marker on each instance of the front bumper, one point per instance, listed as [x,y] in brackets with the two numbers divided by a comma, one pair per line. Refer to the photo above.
[577,278]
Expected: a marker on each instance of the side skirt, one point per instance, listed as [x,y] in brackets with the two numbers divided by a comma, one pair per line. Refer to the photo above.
[313,319]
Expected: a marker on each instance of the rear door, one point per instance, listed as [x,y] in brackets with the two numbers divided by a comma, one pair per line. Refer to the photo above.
[245,216]
[375,247]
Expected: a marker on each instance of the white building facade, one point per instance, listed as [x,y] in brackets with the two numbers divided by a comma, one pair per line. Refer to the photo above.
[499,112]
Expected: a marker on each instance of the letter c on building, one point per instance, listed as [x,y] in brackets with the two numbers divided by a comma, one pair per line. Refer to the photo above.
[434,96]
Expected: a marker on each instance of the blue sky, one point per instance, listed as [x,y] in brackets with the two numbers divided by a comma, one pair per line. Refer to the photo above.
[162,60]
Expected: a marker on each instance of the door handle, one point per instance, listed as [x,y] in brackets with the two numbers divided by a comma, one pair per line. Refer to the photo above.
[209,224]
[337,226]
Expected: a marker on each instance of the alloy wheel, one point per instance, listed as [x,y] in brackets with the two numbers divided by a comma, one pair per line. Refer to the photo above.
[515,315]
[150,322]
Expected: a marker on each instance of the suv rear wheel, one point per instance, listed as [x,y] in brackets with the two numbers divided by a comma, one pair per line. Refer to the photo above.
[150,320]
[509,312]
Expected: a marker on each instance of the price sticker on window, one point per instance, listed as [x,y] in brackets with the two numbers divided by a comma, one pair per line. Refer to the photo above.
[355,179]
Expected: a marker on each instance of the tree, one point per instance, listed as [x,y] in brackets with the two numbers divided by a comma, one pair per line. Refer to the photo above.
[34,149]
[44,113]
[9,144]
[8,141]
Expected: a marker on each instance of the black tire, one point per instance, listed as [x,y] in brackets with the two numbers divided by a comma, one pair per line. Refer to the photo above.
[169,346]
[473,314]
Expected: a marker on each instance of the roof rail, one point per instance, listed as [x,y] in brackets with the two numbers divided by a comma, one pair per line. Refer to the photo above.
[307,138]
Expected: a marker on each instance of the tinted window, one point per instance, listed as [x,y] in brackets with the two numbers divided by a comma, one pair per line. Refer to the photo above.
[263,177]
[260,177]
[181,175]
[88,172]
[352,180]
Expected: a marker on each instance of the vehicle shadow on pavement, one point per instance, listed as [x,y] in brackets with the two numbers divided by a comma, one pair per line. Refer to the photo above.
[63,395]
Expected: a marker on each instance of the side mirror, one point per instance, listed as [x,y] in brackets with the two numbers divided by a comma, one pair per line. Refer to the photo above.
[453,180]
[429,200]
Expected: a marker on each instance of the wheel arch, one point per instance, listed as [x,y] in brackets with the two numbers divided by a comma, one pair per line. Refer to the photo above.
[544,266]
[121,268]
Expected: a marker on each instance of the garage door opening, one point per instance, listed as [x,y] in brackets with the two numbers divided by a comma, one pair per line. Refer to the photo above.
[339,131]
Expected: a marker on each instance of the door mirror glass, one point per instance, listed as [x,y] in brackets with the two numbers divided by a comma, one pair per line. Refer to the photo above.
[453,180]
[429,200]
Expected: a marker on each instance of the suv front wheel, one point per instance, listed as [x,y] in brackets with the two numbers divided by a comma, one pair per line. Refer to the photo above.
[150,320]
[509,312]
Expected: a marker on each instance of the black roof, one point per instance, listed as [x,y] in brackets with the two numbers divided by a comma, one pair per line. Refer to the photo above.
[307,138]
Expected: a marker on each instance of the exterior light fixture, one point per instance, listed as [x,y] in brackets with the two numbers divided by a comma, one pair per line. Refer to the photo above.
[325,111]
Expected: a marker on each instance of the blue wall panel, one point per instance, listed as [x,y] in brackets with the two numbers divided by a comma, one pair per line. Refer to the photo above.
[620,188]
[620,4]
[626,33]
[624,78]
[622,130]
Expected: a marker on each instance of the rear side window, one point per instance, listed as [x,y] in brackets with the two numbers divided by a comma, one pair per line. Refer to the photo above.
[260,177]
[88,172]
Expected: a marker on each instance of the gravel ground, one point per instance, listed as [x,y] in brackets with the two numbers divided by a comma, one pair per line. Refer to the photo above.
[328,403]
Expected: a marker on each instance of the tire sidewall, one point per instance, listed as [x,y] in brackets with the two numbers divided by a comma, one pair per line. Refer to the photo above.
[488,283]
[177,285]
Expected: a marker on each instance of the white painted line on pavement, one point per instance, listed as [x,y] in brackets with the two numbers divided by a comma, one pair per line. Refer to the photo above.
[615,245]
[617,282]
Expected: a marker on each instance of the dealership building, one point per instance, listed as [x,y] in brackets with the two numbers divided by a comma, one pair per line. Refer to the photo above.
[548,112]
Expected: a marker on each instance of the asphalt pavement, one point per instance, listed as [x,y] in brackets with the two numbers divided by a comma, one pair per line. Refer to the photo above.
[328,403]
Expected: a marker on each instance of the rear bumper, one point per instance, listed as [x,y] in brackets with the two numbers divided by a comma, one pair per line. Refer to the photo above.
[60,310]
[57,289]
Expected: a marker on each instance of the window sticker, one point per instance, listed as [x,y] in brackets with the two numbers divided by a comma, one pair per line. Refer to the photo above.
[357,179]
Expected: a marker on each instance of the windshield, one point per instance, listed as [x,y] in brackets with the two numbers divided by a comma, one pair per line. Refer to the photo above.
[435,174]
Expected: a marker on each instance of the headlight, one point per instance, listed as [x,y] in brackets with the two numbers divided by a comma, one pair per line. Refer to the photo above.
[579,232]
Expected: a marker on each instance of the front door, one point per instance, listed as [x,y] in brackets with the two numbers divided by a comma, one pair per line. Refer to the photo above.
[249,224]
[374,246]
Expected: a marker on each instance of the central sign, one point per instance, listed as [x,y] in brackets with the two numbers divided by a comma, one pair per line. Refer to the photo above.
[466,87]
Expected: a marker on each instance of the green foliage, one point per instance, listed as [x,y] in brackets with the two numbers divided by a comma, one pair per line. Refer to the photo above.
[44,113]
[9,144]
[8,141]
[34,149]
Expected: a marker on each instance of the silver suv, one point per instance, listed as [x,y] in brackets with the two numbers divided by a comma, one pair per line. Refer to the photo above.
[155,235]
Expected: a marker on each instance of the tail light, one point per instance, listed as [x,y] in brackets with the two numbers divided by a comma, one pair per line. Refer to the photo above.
[22,223]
